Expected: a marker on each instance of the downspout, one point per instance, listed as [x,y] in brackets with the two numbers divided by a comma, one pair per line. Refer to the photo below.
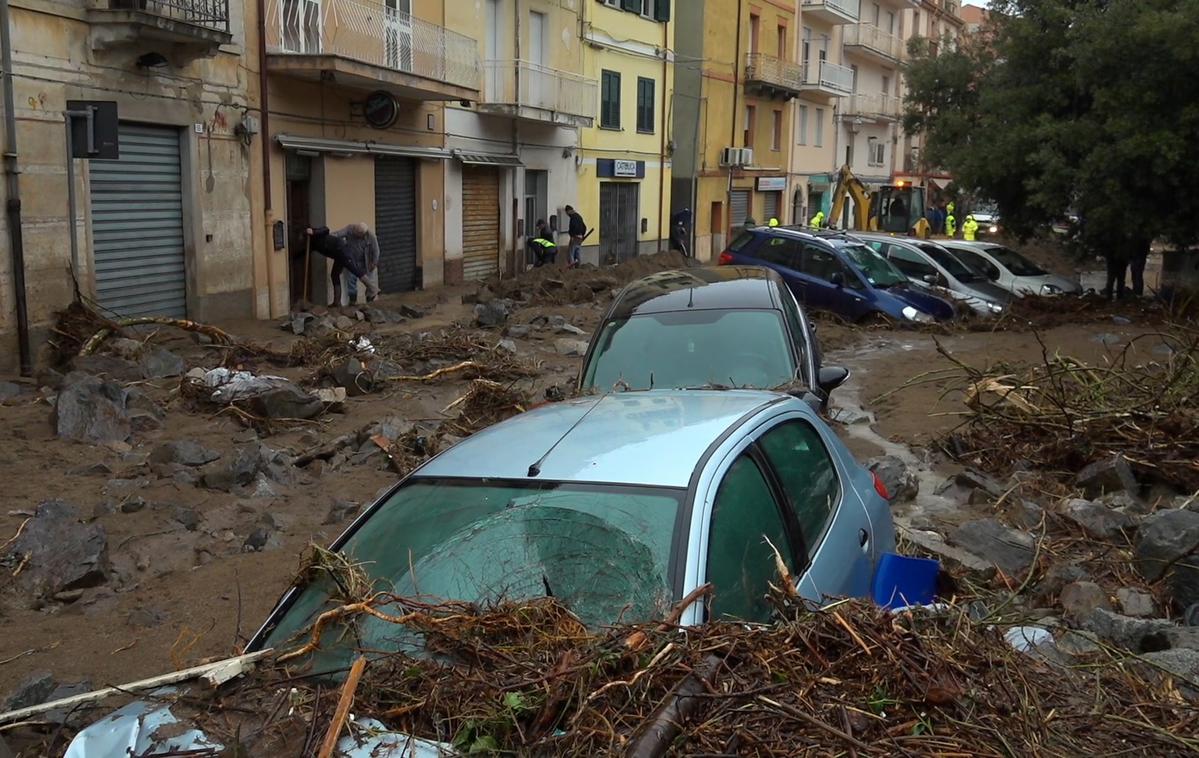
[733,130]
[12,174]
[662,149]
[264,97]
[517,266]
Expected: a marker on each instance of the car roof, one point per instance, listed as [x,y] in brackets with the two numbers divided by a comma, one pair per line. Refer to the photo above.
[699,288]
[652,438]
[835,237]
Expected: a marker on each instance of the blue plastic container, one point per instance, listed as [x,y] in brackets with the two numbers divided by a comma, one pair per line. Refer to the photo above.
[903,580]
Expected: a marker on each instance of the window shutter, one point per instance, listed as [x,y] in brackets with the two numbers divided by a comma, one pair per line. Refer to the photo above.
[631,5]
[662,10]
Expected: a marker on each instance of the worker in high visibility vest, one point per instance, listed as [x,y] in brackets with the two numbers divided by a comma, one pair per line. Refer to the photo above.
[773,222]
[949,207]
[817,220]
[969,228]
[951,223]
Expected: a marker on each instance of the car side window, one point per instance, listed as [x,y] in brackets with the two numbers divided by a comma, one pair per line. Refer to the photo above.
[820,263]
[807,475]
[976,261]
[740,563]
[779,251]
[794,325]
[910,263]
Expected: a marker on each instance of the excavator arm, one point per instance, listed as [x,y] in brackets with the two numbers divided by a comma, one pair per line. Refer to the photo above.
[849,186]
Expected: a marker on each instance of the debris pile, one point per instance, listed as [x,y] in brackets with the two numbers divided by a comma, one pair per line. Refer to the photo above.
[557,285]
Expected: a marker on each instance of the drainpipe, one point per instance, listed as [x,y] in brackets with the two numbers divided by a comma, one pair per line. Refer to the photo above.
[12,174]
[662,149]
[733,129]
[517,265]
[264,96]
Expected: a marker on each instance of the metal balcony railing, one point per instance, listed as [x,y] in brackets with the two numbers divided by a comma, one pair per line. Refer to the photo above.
[873,39]
[210,14]
[540,87]
[374,34]
[875,105]
[772,71]
[829,77]
[845,8]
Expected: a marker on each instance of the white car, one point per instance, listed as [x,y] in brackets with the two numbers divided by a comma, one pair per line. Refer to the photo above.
[1010,270]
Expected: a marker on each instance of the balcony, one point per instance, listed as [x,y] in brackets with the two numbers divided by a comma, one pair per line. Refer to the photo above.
[184,29]
[536,93]
[875,107]
[831,11]
[871,41]
[369,46]
[773,77]
[826,81]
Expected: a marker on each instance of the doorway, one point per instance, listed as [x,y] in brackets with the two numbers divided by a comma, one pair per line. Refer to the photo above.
[299,218]
[619,213]
[397,18]
[536,204]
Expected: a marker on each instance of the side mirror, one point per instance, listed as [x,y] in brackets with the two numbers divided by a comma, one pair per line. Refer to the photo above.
[838,279]
[832,377]
[929,278]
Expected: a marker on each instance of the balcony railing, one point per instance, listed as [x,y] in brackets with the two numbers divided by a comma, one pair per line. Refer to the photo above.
[210,14]
[774,72]
[373,34]
[540,87]
[829,77]
[832,11]
[875,105]
[873,39]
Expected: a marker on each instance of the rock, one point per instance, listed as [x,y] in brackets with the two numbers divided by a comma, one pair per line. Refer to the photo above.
[1136,603]
[1010,550]
[411,311]
[581,293]
[1105,338]
[1121,320]
[568,328]
[1164,538]
[1056,578]
[257,540]
[59,551]
[567,346]
[133,504]
[98,468]
[275,464]
[146,618]
[550,285]
[1079,599]
[341,510]
[972,479]
[1137,635]
[518,331]
[899,481]
[284,400]
[234,472]
[298,322]
[508,346]
[344,323]
[1180,662]
[1097,521]
[183,452]
[187,516]
[493,313]
[850,416]
[1183,584]
[116,369]
[1075,643]
[353,376]
[10,390]
[91,410]
[263,488]
[1111,475]
[1027,514]
[159,363]
[953,556]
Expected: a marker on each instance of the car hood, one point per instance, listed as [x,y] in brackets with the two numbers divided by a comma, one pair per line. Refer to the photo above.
[928,303]
[988,291]
[1033,284]
[145,728]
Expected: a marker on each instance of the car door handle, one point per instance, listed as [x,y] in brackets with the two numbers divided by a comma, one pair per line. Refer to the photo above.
[863,538]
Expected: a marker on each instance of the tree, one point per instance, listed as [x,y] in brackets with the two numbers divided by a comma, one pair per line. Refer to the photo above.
[1084,104]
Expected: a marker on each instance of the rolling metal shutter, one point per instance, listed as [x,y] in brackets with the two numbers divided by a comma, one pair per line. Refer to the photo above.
[395,222]
[137,225]
[480,222]
[739,207]
[770,206]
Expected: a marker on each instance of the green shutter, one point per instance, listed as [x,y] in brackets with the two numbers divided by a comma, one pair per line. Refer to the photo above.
[662,10]
[631,5]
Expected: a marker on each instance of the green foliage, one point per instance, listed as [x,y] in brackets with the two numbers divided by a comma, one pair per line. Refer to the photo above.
[1084,104]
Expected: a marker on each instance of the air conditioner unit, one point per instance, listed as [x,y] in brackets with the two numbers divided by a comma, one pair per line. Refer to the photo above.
[747,157]
[730,156]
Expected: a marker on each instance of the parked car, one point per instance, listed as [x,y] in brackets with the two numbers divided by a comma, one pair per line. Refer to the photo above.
[837,273]
[931,263]
[732,326]
[1011,270]
[618,506]
[987,216]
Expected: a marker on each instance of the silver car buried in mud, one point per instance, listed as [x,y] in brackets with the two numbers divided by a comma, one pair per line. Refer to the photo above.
[617,506]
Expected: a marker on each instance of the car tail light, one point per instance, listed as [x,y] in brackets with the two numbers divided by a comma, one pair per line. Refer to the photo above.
[881,488]
[725,259]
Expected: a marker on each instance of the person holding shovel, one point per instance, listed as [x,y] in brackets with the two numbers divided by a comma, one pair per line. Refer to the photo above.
[333,247]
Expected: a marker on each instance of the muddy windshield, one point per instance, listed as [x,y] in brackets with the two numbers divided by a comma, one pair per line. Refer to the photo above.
[879,271]
[601,550]
[681,349]
[1014,262]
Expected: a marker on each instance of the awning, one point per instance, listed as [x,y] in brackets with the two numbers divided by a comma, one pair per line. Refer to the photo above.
[487,159]
[335,146]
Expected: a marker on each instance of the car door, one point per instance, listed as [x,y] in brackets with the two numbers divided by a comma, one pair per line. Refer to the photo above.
[821,269]
[782,255]
[913,264]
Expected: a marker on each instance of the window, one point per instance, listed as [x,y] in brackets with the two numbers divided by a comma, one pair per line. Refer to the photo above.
[877,14]
[886,85]
[754,23]
[916,23]
[807,46]
[782,42]
[776,131]
[803,124]
[853,67]
[657,10]
[910,263]
[740,563]
[610,100]
[807,476]
[978,263]
[819,141]
[780,251]
[876,151]
[750,114]
[890,22]
[645,105]
[821,264]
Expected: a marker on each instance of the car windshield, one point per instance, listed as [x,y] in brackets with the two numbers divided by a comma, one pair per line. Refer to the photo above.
[879,271]
[681,349]
[601,550]
[956,268]
[1014,262]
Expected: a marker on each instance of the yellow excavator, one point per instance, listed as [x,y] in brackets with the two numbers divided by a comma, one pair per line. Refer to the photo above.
[895,208]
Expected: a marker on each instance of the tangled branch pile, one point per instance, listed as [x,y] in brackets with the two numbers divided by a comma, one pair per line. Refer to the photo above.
[1064,414]
[528,679]
[485,403]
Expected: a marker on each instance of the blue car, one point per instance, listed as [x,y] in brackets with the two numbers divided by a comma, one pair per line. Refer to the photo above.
[837,273]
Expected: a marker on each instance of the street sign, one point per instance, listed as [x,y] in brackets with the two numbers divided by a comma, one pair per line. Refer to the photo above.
[93,129]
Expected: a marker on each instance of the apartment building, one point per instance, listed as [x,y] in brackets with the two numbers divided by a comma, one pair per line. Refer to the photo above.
[733,118]
[624,159]
[165,227]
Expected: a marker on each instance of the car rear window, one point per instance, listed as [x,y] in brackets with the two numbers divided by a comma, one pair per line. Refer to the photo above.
[742,240]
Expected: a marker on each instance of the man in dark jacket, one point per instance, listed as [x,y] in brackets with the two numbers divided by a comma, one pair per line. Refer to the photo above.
[577,231]
[333,247]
